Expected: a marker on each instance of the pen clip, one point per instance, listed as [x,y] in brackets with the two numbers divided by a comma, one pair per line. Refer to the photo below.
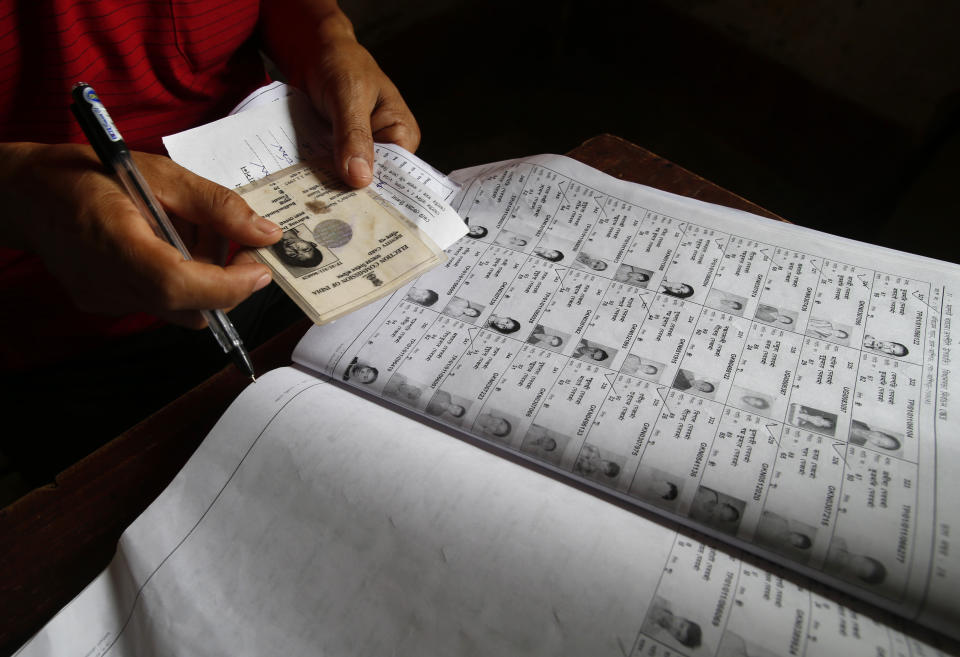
[97,125]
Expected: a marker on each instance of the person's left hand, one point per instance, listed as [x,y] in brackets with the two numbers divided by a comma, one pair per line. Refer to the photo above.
[347,86]
[313,43]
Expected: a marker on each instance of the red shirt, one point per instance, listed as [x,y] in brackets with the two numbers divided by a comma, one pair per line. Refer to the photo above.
[160,66]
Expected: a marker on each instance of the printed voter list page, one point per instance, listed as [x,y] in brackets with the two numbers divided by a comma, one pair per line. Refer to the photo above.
[772,386]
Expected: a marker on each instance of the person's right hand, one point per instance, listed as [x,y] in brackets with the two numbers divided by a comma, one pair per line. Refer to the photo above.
[61,204]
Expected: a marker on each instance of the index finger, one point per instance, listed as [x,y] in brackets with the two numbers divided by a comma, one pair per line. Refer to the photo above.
[393,122]
[169,284]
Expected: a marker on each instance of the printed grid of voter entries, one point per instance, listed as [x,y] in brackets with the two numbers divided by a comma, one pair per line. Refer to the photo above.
[771,375]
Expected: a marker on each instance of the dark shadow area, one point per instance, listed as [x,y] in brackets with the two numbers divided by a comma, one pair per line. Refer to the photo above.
[504,80]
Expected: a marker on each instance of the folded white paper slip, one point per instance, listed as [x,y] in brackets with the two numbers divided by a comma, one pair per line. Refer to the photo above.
[276,127]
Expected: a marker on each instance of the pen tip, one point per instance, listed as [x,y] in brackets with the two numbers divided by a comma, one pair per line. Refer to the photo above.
[242,360]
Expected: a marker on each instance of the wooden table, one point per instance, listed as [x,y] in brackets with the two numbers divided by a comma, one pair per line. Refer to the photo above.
[56,539]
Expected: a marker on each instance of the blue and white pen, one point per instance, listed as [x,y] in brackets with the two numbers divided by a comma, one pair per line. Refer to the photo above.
[113,152]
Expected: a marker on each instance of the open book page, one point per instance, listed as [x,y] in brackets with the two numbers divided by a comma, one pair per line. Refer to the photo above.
[311,521]
[776,387]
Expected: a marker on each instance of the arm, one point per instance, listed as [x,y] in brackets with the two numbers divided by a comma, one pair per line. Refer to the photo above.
[313,43]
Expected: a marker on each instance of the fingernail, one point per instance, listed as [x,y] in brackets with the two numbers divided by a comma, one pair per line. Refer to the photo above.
[359,169]
[262,282]
[265,226]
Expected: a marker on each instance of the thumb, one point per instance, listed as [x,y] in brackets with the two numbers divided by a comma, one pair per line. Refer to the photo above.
[200,201]
[349,113]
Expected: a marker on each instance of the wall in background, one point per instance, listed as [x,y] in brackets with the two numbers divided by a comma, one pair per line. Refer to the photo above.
[837,115]
[900,60]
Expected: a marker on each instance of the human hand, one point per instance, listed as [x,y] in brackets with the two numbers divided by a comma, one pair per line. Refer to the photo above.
[63,206]
[362,105]
[314,44]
